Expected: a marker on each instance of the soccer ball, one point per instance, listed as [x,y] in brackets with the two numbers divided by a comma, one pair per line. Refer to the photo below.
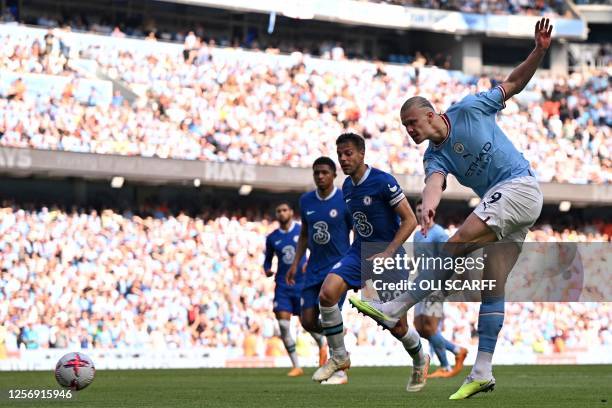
[75,371]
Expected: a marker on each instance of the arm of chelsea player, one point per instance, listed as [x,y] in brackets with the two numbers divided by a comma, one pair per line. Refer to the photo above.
[408,223]
[267,266]
[300,251]
[393,194]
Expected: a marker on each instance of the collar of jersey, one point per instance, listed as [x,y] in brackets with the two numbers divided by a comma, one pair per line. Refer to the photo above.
[364,177]
[289,230]
[448,124]
[329,196]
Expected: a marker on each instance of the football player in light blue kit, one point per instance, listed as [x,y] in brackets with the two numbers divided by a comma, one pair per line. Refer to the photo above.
[380,214]
[430,311]
[281,243]
[467,143]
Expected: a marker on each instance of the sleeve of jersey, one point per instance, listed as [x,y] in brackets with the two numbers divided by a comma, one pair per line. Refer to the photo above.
[348,219]
[269,254]
[302,212]
[391,191]
[433,164]
[489,102]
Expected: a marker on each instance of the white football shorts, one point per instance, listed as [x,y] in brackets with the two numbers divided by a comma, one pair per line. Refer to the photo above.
[511,207]
[430,306]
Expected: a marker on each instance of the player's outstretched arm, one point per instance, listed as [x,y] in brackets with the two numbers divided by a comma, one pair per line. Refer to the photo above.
[432,194]
[300,251]
[520,76]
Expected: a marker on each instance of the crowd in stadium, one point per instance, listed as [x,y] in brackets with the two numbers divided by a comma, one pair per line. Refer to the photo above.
[118,280]
[526,7]
[218,104]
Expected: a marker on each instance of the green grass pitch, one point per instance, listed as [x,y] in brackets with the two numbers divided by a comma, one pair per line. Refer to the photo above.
[517,386]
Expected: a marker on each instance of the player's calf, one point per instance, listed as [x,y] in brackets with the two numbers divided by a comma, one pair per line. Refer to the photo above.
[490,322]
[284,326]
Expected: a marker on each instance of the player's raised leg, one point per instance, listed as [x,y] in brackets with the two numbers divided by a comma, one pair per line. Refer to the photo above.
[334,287]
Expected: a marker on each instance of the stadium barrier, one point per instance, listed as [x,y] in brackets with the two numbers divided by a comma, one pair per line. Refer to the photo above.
[45,359]
[23,162]
[54,85]
[402,17]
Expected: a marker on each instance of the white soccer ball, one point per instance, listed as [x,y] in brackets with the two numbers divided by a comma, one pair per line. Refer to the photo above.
[75,371]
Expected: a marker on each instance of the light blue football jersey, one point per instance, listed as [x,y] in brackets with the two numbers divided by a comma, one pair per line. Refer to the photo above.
[430,246]
[477,152]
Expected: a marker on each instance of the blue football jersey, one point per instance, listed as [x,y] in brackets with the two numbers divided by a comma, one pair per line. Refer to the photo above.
[371,203]
[477,152]
[282,244]
[430,246]
[329,224]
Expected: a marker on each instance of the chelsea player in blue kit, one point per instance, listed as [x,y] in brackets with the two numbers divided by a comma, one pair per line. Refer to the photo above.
[281,243]
[326,225]
[380,213]
[467,143]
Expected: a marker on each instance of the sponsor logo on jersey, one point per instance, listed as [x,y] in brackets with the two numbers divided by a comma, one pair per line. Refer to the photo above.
[310,212]
[392,189]
[333,213]
[458,148]
[480,162]
[367,200]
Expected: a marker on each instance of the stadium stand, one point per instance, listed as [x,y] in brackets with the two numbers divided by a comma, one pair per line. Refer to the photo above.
[531,7]
[170,281]
[223,104]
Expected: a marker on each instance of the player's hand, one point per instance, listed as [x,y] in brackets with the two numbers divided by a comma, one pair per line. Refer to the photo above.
[290,276]
[383,255]
[543,34]
[426,218]
[269,273]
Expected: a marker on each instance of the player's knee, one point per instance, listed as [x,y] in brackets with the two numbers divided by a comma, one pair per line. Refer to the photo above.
[400,329]
[328,297]
[418,327]
[426,331]
[309,323]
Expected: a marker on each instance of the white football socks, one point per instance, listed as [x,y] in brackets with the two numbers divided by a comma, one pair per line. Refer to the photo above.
[318,337]
[284,325]
[483,367]
[412,343]
[331,321]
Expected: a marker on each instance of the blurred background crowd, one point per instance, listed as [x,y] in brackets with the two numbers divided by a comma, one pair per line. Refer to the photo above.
[202,102]
[105,279]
